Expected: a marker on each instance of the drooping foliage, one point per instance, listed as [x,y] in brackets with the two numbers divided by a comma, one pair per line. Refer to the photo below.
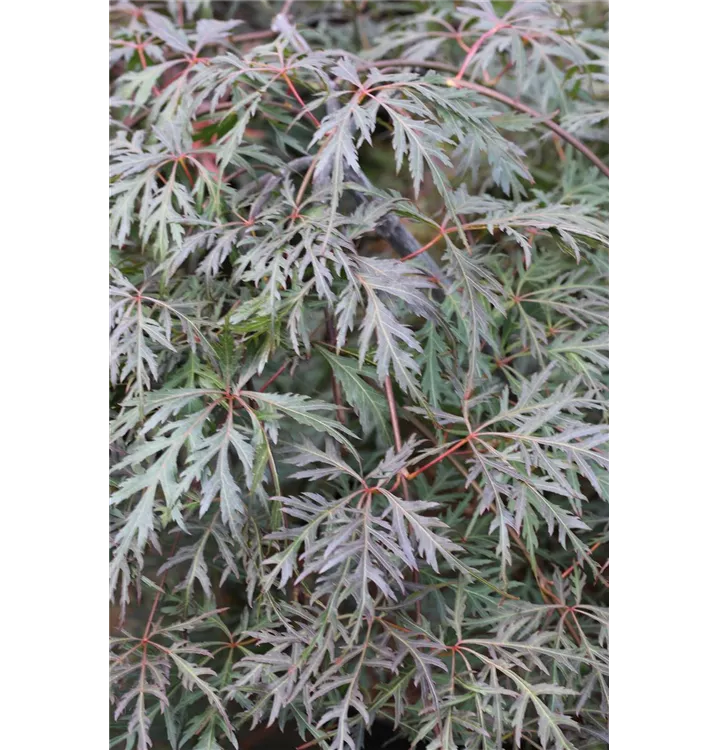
[359,372]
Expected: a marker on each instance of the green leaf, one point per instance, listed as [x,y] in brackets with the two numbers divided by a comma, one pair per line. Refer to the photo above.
[304,411]
[368,402]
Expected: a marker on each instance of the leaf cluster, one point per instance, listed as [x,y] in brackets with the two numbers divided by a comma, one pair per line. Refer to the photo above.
[358,373]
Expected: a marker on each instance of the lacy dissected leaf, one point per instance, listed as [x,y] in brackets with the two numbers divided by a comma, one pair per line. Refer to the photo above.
[380,281]
[147,174]
[304,411]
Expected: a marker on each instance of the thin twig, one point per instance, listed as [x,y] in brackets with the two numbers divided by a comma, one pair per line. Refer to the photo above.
[275,376]
[299,100]
[568,570]
[397,444]
[475,46]
[253,36]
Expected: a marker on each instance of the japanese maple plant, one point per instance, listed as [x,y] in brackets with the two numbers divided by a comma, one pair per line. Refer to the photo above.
[358,380]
